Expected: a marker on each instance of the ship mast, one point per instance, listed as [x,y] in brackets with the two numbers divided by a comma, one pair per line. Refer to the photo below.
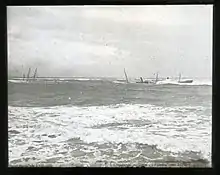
[35,74]
[28,74]
[179,77]
[156,80]
[126,76]
[23,77]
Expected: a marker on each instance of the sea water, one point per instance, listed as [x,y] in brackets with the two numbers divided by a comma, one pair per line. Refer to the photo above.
[99,122]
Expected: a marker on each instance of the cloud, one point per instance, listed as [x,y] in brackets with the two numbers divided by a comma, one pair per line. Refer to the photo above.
[162,15]
[97,41]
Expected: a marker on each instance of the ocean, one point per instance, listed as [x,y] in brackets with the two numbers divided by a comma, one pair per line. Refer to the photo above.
[103,122]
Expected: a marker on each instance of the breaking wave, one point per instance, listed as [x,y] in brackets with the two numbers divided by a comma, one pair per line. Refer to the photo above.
[68,80]
[116,133]
[194,83]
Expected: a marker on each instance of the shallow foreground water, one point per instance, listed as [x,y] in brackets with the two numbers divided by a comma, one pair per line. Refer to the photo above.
[96,122]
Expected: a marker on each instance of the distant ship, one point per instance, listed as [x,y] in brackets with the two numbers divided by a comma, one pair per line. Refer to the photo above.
[28,78]
[25,79]
[173,81]
[184,81]
[124,80]
[149,81]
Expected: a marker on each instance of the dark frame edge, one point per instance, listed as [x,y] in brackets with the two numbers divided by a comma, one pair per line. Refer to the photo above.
[216,54]
[113,2]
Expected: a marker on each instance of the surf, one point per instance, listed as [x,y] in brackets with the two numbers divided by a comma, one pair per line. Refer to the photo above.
[136,124]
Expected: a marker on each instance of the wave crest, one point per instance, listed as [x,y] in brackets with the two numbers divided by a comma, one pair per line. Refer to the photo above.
[165,127]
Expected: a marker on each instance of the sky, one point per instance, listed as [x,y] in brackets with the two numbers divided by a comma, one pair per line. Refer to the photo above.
[100,41]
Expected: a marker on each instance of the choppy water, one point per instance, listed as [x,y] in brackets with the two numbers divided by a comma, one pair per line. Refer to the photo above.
[103,123]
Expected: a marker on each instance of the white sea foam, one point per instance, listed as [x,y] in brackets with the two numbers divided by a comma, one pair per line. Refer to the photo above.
[194,83]
[55,80]
[119,82]
[87,79]
[175,129]
[17,81]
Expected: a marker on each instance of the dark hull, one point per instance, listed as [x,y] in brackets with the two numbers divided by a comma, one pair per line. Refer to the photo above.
[185,81]
[146,82]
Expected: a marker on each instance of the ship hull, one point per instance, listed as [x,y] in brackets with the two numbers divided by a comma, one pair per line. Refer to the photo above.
[185,81]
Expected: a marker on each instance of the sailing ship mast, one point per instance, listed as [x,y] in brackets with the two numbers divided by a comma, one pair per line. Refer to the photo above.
[35,73]
[156,80]
[126,76]
[179,77]
[28,74]
[23,77]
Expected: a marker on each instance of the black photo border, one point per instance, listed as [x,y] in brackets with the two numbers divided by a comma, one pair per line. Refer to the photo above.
[42,170]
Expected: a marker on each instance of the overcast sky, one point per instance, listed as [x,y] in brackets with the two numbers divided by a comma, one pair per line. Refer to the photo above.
[102,40]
